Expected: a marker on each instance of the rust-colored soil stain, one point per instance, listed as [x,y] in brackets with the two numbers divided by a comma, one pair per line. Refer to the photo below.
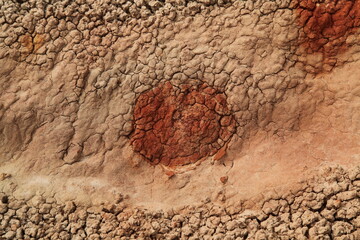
[26,42]
[179,126]
[327,24]
[31,44]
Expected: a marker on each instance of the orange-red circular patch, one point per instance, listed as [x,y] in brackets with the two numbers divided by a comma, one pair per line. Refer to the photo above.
[176,126]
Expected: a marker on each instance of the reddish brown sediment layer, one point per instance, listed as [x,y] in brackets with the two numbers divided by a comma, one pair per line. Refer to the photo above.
[176,127]
[327,24]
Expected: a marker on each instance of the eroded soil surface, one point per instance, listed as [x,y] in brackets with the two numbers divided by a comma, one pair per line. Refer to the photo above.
[179,119]
[326,207]
[327,24]
[176,128]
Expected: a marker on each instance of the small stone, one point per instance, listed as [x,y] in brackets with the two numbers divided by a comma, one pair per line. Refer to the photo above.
[224,179]
[5,199]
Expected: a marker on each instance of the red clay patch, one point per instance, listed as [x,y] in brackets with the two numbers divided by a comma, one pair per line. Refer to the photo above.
[327,24]
[180,126]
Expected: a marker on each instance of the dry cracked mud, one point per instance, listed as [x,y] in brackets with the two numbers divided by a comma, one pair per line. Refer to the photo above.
[177,128]
[174,119]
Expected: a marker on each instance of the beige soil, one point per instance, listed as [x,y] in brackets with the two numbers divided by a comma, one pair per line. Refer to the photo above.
[70,78]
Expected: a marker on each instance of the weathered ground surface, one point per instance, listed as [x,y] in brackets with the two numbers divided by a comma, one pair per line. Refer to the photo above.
[237,119]
[326,207]
[177,128]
